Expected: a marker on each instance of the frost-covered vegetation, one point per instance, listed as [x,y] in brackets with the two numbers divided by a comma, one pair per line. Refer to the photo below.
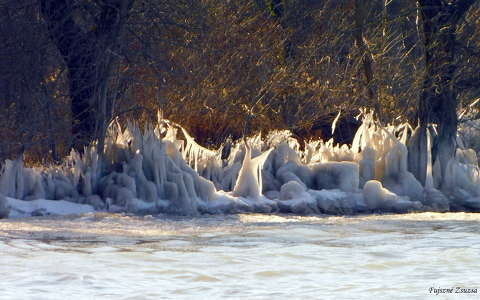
[162,169]
[285,73]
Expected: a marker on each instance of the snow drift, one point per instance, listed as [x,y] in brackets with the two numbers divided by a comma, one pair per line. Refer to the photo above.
[163,169]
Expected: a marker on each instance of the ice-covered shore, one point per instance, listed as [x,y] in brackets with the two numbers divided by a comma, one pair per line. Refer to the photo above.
[163,170]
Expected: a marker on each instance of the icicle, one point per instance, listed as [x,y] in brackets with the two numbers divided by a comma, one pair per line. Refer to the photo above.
[417,154]
[4,208]
[429,176]
[249,181]
[334,123]
[404,136]
[358,138]
[7,179]
[257,165]
[19,178]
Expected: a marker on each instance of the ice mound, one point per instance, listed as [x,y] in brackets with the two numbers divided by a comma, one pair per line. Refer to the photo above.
[42,207]
[336,175]
[291,190]
[396,177]
[435,200]
[378,198]
[161,169]
[338,202]
[294,198]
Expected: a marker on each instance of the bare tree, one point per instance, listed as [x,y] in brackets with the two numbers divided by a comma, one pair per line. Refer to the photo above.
[87,52]
[367,63]
[439,98]
[210,65]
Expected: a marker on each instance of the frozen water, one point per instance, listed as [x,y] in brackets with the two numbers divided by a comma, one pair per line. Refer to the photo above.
[246,256]
[161,169]
[41,207]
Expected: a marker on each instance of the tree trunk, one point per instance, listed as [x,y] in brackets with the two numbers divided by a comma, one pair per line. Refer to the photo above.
[367,64]
[86,55]
[438,103]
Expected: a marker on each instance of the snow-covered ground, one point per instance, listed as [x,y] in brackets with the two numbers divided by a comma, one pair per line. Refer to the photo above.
[39,207]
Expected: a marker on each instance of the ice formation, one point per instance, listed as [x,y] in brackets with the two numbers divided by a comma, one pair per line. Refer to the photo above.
[4,207]
[381,199]
[162,169]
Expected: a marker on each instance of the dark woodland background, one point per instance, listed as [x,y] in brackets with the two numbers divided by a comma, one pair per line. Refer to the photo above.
[230,68]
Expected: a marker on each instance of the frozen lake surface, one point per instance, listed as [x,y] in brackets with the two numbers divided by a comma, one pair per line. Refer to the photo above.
[108,256]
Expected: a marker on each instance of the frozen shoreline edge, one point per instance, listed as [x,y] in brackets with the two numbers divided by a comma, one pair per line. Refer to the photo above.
[163,170]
